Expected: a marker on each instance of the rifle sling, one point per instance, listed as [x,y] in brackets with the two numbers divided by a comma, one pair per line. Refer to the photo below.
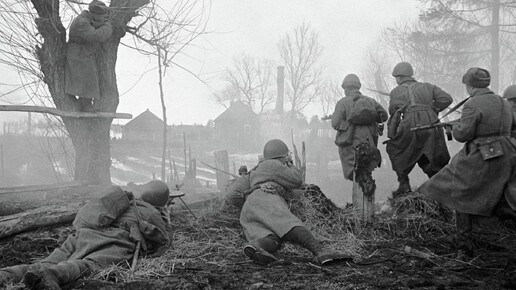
[452,110]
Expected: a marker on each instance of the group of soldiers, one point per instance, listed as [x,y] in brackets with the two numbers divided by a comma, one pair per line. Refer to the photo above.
[479,180]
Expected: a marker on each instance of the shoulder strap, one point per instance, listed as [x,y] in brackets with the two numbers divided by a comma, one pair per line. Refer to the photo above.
[501,116]
[410,97]
[411,94]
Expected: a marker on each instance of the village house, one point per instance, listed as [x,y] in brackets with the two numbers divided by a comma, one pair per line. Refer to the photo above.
[144,127]
[238,125]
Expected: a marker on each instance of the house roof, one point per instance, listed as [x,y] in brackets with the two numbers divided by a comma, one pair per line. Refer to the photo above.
[145,121]
[237,111]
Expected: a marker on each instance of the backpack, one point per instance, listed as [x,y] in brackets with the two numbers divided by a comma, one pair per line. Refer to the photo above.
[101,211]
[363,112]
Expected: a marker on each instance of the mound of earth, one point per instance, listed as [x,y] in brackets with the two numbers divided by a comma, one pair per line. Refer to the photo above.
[413,247]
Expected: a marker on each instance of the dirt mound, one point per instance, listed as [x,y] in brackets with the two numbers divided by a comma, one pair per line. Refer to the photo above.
[206,252]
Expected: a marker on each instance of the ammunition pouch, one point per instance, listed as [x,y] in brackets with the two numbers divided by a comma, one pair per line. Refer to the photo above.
[489,148]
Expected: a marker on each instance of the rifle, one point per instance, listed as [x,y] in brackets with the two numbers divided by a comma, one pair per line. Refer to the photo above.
[136,234]
[378,91]
[446,125]
[436,125]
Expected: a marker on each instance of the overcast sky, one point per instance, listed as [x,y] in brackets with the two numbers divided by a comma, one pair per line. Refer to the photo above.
[346,29]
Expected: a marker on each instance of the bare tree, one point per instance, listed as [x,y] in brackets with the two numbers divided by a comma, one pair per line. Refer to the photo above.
[227,95]
[439,54]
[38,52]
[491,27]
[165,32]
[250,80]
[300,51]
[331,93]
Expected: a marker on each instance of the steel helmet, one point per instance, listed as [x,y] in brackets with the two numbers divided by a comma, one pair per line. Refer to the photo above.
[510,92]
[477,77]
[275,148]
[155,192]
[403,69]
[351,81]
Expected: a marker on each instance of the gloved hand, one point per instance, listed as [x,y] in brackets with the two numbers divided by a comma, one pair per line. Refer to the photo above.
[119,31]
[129,194]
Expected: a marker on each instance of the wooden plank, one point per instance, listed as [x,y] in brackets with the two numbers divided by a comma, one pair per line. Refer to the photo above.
[362,204]
[222,162]
[61,113]
[27,188]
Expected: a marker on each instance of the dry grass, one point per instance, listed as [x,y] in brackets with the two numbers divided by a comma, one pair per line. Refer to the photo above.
[216,238]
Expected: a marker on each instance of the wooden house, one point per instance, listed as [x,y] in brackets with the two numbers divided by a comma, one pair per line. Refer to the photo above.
[144,127]
[237,125]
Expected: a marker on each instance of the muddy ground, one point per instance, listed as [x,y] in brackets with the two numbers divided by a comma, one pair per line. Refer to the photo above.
[445,261]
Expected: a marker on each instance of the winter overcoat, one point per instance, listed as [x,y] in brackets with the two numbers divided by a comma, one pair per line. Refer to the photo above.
[96,246]
[349,134]
[81,73]
[407,147]
[264,211]
[470,184]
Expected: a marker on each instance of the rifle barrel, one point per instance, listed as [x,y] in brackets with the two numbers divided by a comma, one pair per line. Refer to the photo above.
[430,126]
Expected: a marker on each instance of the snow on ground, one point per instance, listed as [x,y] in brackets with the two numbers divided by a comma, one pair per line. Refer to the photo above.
[120,165]
[180,165]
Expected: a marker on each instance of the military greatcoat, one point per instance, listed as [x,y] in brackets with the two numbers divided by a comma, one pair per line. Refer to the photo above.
[470,184]
[81,73]
[349,134]
[264,211]
[94,245]
[407,147]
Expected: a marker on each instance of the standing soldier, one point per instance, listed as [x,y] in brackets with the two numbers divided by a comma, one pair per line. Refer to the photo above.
[356,119]
[480,179]
[510,95]
[418,104]
[87,32]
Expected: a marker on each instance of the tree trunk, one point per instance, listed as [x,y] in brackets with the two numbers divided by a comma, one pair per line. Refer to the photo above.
[495,47]
[164,109]
[90,137]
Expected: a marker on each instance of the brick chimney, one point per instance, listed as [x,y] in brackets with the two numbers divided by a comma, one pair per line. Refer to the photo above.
[280,89]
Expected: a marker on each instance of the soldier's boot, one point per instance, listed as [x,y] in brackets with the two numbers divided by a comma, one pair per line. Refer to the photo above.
[260,250]
[53,276]
[12,274]
[41,279]
[404,185]
[303,237]
[504,212]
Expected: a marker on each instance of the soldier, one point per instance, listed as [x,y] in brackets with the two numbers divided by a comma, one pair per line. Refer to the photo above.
[420,104]
[87,32]
[480,179]
[107,231]
[510,95]
[351,133]
[265,216]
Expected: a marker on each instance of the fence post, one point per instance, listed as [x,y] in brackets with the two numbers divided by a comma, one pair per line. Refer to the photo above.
[363,205]
[222,162]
